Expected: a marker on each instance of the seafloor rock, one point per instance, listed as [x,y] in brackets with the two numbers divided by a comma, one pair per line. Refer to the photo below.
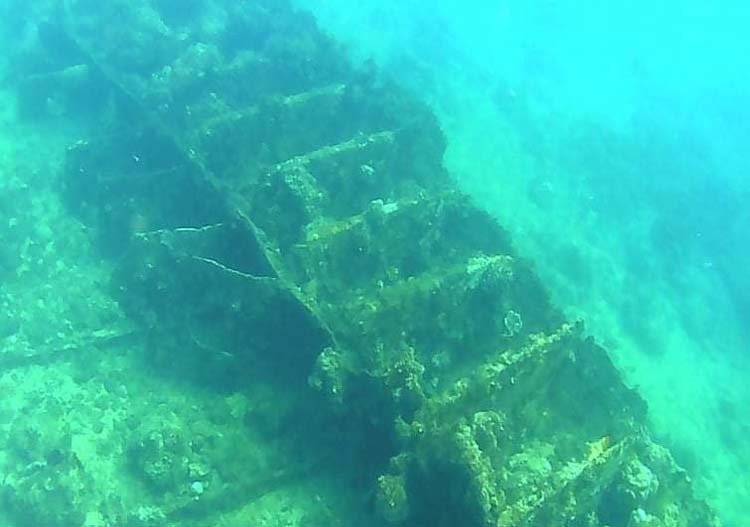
[279,218]
[45,485]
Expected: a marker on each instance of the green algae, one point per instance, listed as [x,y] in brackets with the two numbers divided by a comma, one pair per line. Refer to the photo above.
[313,327]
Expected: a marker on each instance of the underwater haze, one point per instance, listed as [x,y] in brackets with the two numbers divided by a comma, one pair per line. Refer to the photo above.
[319,263]
[612,139]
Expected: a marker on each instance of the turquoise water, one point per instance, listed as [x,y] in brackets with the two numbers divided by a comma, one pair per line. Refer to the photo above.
[609,140]
[612,140]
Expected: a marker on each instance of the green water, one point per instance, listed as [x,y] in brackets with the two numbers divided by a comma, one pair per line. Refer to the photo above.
[608,140]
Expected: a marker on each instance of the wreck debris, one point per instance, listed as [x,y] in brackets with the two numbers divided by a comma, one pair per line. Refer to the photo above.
[275,214]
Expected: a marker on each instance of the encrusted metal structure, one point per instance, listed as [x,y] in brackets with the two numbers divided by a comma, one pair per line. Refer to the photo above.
[279,216]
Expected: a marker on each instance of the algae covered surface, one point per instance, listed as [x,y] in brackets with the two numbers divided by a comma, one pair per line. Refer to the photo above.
[610,140]
[240,286]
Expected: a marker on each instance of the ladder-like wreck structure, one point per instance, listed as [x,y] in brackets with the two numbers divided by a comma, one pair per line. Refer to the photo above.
[278,216]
